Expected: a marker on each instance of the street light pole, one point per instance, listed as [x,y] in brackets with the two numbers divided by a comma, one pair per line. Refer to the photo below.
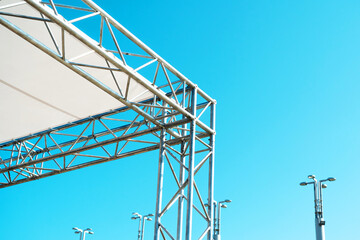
[141,223]
[218,206]
[319,220]
[146,217]
[215,220]
[134,217]
[82,232]
[319,216]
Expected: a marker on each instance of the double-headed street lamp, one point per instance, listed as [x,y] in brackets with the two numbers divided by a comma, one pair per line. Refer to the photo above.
[83,232]
[219,206]
[217,219]
[141,223]
[319,218]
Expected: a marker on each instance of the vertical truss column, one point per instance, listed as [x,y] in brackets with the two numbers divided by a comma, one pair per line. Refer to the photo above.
[181,178]
[211,173]
[159,185]
[181,199]
[184,160]
[190,193]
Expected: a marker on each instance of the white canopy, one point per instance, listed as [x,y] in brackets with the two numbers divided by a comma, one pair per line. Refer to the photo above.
[37,92]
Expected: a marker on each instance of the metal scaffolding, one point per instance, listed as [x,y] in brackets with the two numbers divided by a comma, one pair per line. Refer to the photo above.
[176,117]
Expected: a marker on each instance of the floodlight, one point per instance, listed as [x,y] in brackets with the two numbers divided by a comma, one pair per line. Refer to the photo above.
[331,179]
[323,185]
[311,176]
[303,184]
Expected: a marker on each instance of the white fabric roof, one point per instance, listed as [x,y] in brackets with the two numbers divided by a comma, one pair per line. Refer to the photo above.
[37,92]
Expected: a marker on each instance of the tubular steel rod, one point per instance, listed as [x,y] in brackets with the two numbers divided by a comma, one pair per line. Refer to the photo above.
[24,16]
[159,185]
[190,192]
[139,230]
[181,199]
[211,172]
[69,7]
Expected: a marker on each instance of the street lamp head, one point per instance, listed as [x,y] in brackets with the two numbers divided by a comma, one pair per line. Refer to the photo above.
[331,179]
[206,205]
[228,201]
[303,184]
[75,228]
[150,215]
[223,205]
[311,176]
[91,232]
[77,232]
[135,213]
[323,185]
[133,218]
[149,219]
[88,229]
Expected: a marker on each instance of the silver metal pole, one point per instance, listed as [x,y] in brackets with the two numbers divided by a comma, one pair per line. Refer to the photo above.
[215,219]
[319,223]
[181,176]
[160,185]
[139,229]
[219,219]
[320,199]
[322,221]
[190,193]
[142,228]
[211,172]
[181,198]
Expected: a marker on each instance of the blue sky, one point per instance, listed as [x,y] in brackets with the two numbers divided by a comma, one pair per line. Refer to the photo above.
[286,77]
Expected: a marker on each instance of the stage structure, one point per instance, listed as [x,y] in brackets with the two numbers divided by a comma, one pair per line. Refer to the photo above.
[78,89]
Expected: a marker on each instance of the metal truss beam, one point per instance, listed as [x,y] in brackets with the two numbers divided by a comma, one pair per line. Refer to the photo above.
[24,159]
[116,63]
[179,121]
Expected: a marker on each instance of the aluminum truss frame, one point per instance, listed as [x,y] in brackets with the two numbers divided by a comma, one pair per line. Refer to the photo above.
[177,122]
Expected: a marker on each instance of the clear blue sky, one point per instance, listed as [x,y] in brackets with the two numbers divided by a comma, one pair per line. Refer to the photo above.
[286,76]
